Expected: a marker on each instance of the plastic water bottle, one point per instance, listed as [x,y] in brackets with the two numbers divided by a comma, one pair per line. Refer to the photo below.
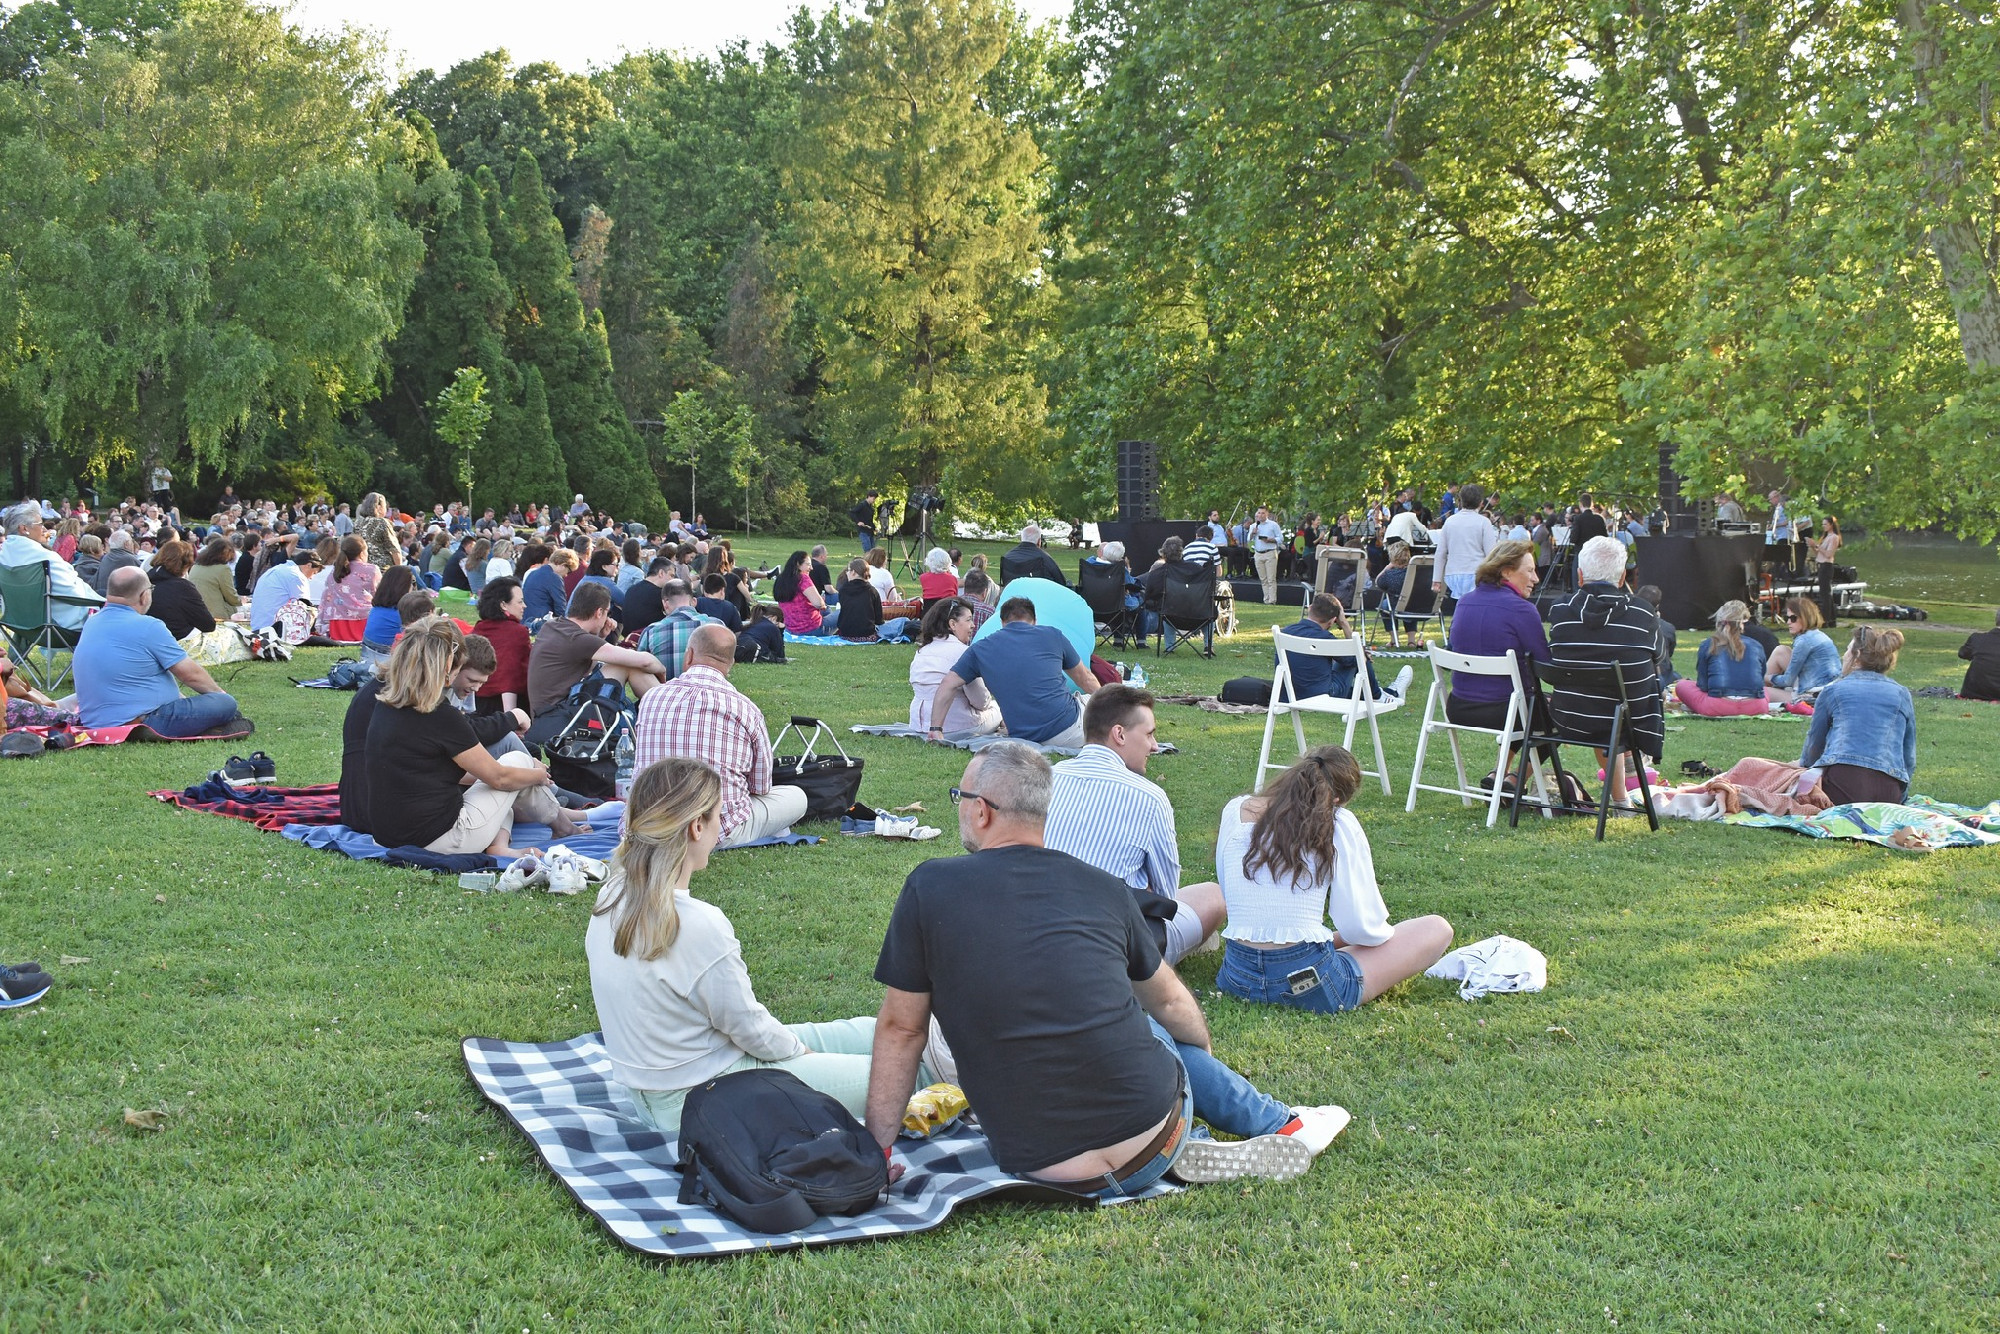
[1138,676]
[623,783]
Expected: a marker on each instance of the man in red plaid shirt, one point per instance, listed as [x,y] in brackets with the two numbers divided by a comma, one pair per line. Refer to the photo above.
[700,714]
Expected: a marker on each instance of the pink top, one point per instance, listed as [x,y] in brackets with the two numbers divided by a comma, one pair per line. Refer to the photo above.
[350,599]
[801,617]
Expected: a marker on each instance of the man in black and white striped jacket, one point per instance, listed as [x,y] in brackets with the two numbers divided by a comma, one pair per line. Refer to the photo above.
[1601,624]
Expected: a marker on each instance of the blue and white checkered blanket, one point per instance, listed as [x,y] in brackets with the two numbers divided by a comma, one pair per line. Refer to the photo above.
[562,1097]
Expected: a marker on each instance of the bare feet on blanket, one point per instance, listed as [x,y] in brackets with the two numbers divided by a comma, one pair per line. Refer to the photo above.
[564,827]
[505,853]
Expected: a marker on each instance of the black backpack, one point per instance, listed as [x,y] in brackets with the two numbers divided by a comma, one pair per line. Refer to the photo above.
[762,1148]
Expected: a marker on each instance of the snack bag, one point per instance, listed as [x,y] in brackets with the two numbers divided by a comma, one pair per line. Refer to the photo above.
[932,1109]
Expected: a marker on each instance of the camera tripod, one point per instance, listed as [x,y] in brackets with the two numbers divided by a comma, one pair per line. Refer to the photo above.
[915,548]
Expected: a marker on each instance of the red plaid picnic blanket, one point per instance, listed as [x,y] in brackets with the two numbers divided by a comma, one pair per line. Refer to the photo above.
[269,808]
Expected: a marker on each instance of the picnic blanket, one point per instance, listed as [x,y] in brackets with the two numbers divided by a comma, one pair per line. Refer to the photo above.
[967,741]
[113,736]
[600,842]
[562,1097]
[1920,824]
[311,815]
[835,641]
[269,808]
[1210,703]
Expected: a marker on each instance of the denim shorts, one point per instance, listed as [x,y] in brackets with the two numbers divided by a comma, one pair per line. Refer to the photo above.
[1266,975]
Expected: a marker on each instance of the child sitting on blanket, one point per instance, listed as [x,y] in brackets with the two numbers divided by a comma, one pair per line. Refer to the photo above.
[673,997]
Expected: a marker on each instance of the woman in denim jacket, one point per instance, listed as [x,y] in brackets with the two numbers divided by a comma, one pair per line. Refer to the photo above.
[1809,661]
[1864,727]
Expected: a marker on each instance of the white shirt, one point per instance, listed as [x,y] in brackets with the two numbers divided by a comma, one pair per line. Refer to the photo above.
[675,1021]
[1408,529]
[499,568]
[280,584]
[885,583]
[20,549]
[1463,542]
[1272,913]
[927,668]
[1102,813]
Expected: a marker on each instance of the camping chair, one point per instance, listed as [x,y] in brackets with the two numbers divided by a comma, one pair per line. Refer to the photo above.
[1103,590]
[1187,607]
[27,615]
[1357,704]
[1605,683]
[1335,565]
[1418,601]
[1512,731]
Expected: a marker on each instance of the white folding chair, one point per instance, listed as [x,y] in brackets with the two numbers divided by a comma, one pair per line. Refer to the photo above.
[1514,727]
[1357,704]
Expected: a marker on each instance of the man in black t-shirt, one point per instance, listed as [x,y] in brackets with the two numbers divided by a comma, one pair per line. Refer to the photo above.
[1082,1053]
[863,515]
[644,601]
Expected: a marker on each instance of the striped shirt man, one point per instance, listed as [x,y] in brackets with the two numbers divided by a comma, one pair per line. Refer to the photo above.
[1201,551]
[1102,813]
[1600,625]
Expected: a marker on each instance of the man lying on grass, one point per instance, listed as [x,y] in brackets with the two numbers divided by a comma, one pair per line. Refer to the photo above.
[1085,1056]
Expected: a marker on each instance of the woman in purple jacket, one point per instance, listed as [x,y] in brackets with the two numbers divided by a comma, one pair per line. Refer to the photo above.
[1497,615]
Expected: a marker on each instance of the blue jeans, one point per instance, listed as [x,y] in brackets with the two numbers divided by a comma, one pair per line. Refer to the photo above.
[191,715]
[894,626]
[1264,976]
[867,540]
[1151,624]
[1216,1094]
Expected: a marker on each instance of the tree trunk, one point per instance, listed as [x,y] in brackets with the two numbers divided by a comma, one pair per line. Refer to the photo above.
[1954,240]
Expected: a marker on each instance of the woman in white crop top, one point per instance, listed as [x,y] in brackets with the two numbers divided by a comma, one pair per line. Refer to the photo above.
[1291,857]
[673,996]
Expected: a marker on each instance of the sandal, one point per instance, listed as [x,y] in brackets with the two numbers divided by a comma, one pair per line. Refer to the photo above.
[1697,769]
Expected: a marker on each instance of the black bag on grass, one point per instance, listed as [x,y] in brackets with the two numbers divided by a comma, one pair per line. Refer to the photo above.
[831,782]
[1247,690]
[762,1148]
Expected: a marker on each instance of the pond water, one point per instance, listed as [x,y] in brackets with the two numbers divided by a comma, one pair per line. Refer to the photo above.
[1954,581]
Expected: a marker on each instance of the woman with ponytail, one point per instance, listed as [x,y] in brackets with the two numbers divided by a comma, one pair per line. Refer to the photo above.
[1291,857]
[350,592]
[1728,678]
[673,996]
[420,752]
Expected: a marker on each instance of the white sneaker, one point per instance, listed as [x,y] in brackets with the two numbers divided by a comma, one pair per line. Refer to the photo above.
[1318,1126]
[1279,1157]
[895,826]
[1400,687]
[524,871]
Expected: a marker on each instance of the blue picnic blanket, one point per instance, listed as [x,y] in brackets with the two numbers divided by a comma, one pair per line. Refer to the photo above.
[562,1097]
[600,843]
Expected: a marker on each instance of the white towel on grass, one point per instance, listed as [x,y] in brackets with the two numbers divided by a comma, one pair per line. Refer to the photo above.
[1497,963]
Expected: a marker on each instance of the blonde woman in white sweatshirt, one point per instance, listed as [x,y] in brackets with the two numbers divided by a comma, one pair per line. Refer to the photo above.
[673,996]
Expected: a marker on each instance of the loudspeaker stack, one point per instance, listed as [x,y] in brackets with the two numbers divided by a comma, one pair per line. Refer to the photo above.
[1138,481]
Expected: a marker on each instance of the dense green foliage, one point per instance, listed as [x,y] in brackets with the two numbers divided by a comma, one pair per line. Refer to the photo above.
[1310,249]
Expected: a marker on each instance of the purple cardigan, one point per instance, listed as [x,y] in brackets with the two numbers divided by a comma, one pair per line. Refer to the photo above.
[1491,619]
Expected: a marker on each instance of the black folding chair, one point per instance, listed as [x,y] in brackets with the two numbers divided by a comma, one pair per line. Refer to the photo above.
[1605,683]
[1417,603]
[1187,607]
[1103,589]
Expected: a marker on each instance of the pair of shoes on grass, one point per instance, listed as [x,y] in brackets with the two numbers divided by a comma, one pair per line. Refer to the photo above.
[258,768]
[558,870]
[23,984]
[1280,1156]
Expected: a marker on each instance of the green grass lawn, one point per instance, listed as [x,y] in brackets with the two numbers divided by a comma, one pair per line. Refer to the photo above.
[1758,1093]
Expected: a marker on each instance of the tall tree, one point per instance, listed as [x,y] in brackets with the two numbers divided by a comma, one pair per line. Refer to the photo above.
[485,111]
[202,236]
[920,250]
[548,330]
